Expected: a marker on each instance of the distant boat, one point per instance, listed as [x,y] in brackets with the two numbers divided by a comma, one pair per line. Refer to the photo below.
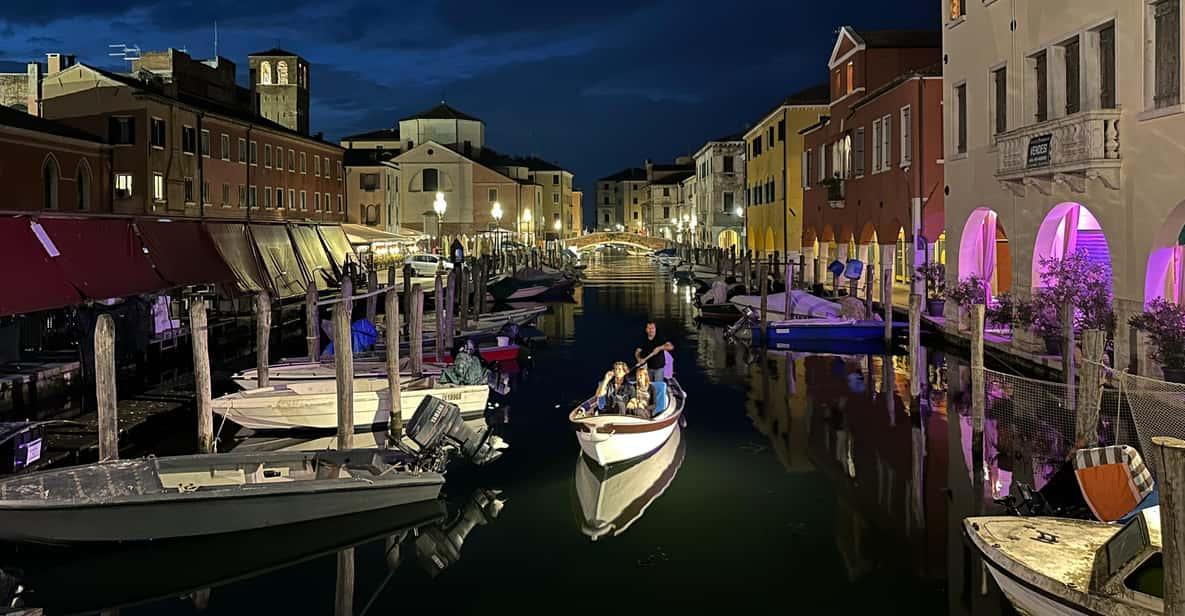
[189,496]
[313,404]
[613,499]
[1065,567]
[611,438]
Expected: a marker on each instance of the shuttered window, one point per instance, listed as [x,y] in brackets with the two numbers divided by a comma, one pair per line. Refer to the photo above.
[887,142]
[1000,80]
[961,120]
[858,154]
[1167,15]
[1041,66]
[1107,67]
[876,145]
[1073,76]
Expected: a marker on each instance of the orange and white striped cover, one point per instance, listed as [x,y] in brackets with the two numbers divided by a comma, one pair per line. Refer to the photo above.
[1113,480]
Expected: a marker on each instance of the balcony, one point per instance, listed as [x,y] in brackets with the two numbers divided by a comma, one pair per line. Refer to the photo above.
[1070,150]
[835,190]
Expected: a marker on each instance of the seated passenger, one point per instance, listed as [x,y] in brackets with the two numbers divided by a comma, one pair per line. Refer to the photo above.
[615,392]
[645,398]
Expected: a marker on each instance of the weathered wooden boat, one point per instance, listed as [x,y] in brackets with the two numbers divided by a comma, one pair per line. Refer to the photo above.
[313,404]
[188,496]
[96,580]
[610,438]
[301,371]
[613,499]
[719,314]
[1064,567]
[491,321]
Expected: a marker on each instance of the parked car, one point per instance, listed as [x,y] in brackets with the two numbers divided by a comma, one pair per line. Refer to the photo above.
[426,264]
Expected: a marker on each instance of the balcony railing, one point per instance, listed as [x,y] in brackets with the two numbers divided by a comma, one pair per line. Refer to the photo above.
[1072,149]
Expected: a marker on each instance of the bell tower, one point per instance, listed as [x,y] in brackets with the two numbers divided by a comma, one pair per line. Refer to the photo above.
[280,88]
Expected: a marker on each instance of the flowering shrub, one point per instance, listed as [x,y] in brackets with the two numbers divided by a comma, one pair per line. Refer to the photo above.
[935,276]
[1076,280]
[970,290]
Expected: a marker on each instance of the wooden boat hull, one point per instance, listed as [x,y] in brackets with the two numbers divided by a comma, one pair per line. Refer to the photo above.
[611,501]
[719,314]
[123,511]
[611,439]
[273,409]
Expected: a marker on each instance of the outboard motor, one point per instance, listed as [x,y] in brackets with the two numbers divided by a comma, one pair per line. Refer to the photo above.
[438,423]
[439,547]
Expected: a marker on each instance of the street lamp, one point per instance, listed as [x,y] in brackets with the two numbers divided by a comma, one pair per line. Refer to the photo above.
[527,221]
[496,212]
[439,206]
[740,212]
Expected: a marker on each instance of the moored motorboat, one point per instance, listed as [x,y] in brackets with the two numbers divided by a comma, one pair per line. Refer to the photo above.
[301,371]
[719,314]
[824,329]
[186,496]
[609,438]
[613,499]
[313,404]
[803,304]
[1063,567]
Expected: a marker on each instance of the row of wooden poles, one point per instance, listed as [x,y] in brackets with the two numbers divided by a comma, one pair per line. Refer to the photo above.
[464,296]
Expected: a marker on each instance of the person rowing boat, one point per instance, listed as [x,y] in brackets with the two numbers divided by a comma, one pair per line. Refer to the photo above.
[656,360]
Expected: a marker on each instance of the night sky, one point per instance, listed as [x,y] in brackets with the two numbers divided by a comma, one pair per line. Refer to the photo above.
[594,87]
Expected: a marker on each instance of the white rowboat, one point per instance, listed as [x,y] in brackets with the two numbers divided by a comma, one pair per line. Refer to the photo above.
[313,404]
[611,438]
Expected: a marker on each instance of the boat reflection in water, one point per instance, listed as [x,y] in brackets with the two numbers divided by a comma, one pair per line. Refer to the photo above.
[612,499]
[439,547]
[73,580]
[377,439]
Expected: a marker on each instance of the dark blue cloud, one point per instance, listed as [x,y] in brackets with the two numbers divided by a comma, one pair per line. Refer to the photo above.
[594,86]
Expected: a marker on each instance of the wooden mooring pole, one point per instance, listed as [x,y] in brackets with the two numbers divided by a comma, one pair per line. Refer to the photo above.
[343,362]
[263,337]
[1068,356]
[442,323]
[199,339]
[978,389]
[312,327]
[869,284]
[1170,458]
[344,590]
[105,388]
[415,330]
[463,293]
[764,294]
[450,306]
[391,309]
[887,301]
[788,297]
[915,344]
[372,302]
[1094,344]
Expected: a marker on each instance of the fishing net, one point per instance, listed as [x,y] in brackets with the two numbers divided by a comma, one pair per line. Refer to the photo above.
[1157,409]
[1030,427]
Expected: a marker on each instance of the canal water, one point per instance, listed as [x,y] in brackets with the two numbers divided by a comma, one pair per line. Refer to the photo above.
[810,484]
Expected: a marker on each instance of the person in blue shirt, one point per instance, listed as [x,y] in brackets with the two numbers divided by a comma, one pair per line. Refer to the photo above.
[615,392]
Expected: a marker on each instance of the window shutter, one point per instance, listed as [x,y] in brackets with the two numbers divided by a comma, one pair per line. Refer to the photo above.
[1107,67]
[1168,53]
[1042,86]
[859,154]
[1072,77]
[1001,79]
[805,168]
[887,147]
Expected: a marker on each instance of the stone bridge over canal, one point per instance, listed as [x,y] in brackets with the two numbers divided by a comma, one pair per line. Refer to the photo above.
[592,240]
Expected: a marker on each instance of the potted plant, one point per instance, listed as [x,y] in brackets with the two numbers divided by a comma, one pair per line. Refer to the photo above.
[1164,322]
[1000,312]
[1077,281]
[935,276]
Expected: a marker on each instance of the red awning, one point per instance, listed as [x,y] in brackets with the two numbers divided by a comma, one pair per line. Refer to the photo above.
[102,257]
[279,260]
[183,253]
[234,246]
[316,263]
[338,246]
[32,280]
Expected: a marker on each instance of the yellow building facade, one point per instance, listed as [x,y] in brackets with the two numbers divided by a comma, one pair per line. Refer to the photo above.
[773,172]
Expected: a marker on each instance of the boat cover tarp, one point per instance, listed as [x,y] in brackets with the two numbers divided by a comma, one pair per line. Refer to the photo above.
[363,335]
[805,304]
[530,274]
[1114,480]
[283,274]
[183,253]
[34,281]
[362,234]
[102,258]
[235,248]
[465,370]
[337,246]
[317,265]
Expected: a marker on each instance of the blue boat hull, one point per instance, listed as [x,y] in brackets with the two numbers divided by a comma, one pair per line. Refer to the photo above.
[860,330]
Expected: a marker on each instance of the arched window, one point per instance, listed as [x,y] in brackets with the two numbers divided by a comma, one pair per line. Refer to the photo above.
[265,73]
[431,180]
[49,184]
[282,73]
[82,181]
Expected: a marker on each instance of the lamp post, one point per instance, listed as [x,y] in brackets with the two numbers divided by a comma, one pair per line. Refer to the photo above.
[692,224]
[439,206]
[496,212]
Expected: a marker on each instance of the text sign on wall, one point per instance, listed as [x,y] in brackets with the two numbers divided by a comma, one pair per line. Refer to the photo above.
[1039,151]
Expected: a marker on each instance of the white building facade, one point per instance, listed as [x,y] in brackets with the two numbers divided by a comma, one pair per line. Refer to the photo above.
[720,190]
[1064,128]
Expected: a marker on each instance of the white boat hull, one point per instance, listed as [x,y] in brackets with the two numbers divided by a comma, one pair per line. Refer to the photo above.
[280,408]
[1028,601]
[610,438]
[299,372]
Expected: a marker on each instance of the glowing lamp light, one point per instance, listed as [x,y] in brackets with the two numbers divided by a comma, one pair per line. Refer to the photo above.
[439,206]
[740,211]
[526,215]
[496,212]
[557,226]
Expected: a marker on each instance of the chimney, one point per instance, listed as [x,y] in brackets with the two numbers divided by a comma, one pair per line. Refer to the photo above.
[33,88]
[58,62]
